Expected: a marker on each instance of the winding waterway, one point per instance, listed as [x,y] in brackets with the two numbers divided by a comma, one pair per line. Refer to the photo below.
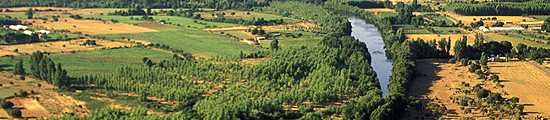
[369,34]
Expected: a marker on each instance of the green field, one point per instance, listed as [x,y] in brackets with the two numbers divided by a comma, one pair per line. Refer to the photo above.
[306,39]
[195,41]
[83,63]
[411,29]
[175,20]
[447,30]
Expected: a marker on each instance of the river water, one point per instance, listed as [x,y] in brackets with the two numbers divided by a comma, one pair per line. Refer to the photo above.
[369,34]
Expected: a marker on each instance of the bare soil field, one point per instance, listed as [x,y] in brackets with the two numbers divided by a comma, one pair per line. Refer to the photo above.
[437,81]
[43,99]
[92,27]
[59,47]
[528,81]
[469,19]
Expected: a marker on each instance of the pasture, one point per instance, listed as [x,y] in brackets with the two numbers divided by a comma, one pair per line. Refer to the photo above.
[100,61]
[194,41]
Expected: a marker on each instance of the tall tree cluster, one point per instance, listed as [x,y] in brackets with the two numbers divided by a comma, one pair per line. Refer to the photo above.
[44,68]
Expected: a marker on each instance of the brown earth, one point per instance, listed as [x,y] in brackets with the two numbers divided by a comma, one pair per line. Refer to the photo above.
[43,99]
[59,47]
[437,80]
[93,27]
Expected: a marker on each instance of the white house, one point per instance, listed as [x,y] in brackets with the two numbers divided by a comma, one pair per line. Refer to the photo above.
[27,32]
[18,27]
[484,29]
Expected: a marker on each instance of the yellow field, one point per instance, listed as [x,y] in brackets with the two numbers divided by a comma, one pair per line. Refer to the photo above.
[92,27]
[58,47]
[454,38]
[379,10]
[469,19]
[528,81]
[4,114]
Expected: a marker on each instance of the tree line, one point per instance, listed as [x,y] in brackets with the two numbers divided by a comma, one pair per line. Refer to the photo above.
[502,8]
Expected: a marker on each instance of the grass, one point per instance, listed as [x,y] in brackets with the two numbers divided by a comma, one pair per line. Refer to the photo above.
[540,17]
[176,20]
[307,39]
[190,40]
[411,29]
[447,30]
[104,61]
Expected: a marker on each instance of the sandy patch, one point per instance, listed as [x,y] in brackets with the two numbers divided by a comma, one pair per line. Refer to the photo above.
[93,27]
[59,47]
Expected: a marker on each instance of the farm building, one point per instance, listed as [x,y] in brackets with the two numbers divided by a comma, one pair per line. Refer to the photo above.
[18,27]
[505,28]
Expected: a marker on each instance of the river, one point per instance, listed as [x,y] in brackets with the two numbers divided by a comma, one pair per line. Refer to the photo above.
[369,34]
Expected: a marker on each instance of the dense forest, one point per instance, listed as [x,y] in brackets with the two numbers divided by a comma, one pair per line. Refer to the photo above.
[502,8]
[217,4]
[336,70]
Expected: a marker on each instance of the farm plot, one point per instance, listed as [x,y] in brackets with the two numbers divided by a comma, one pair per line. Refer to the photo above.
[528,81]
[469,19]
[59,47]
[92,27]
